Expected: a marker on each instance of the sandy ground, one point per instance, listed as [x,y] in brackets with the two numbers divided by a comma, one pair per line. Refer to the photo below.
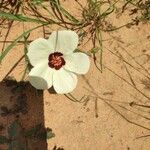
[105,121]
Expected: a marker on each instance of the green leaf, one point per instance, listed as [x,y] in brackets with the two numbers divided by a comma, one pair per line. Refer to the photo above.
[77,50]
[19,17]
[37,2]
[3,140]
[94,50]
[39,132]
[31,133]
[50,134]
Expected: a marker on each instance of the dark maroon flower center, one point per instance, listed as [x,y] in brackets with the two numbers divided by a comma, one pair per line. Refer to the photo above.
[56,60]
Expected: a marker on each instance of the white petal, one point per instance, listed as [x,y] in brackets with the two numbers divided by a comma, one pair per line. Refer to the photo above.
[65,41]
[77,62]
[39,50]
[64,81]
[41,76]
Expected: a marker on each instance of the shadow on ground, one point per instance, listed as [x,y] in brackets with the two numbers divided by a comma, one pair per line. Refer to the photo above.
[21,117]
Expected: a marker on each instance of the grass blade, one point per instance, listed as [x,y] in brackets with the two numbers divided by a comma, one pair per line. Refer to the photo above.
[19,17]
[6,51]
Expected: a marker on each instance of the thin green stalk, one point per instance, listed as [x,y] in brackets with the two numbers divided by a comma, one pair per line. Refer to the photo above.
[10,47]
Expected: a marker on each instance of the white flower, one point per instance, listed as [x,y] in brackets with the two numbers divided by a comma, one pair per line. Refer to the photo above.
[54,62]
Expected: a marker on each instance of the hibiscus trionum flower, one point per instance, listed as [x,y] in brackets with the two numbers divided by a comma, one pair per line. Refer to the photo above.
[55,63]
